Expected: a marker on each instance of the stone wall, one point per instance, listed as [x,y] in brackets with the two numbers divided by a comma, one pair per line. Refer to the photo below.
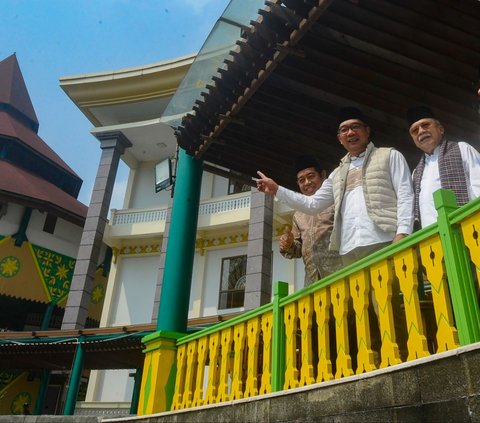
[441,388]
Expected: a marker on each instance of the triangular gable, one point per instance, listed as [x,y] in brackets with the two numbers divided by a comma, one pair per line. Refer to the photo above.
[56,271]
[13,91]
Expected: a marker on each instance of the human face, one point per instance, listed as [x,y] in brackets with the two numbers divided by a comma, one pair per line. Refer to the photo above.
[309,180]
[427,134]
[354,135]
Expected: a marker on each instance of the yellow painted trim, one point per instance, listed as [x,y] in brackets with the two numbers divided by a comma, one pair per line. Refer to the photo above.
[139,249]
[15,380]
[7,238]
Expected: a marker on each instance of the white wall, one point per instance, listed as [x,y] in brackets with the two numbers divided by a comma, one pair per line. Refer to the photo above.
[143,193]
[132,303]
[65,239]
[10,222]
[220,186]
[115,385]
[132,298]
[206,189]
[134,291]
[195,308]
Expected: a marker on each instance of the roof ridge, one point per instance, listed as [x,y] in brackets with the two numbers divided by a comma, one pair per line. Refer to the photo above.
[13,91]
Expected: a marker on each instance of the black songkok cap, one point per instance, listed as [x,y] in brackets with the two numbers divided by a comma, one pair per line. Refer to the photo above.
[416,113]
[304,162]
[347,113]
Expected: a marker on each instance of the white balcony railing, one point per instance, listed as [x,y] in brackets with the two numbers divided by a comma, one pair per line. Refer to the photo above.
[208,207]
[224,205]
[130,216]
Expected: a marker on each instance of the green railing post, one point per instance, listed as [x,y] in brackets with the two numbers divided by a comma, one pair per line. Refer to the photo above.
[47,316]
[457,265]
[42,391]
[280,290]
[136,391]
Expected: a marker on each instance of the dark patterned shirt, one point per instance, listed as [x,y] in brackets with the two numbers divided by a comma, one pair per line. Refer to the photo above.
[311,240]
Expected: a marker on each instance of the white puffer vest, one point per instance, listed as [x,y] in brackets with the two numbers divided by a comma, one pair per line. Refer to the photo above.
[380,197]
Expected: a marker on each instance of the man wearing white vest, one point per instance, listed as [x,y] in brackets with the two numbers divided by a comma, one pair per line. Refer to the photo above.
[444,164]
[371,190]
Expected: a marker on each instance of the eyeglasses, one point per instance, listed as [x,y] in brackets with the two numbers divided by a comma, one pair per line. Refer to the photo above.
[354,127]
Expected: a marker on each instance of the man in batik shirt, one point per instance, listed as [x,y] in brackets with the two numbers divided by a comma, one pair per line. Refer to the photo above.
[309,237]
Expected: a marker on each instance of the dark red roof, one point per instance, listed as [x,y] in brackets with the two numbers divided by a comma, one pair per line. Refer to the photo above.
[11,128]
[17,116]
[13,90]
[36,192]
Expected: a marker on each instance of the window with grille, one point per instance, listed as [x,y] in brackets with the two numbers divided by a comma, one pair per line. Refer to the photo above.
[232,283]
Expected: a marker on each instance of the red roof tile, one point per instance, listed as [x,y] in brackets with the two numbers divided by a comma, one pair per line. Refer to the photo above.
[16,182]
[11,128]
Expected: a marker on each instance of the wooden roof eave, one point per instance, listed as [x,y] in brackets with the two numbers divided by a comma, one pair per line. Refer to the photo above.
[272,56]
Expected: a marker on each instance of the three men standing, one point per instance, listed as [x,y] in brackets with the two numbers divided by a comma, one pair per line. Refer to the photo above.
[371,191]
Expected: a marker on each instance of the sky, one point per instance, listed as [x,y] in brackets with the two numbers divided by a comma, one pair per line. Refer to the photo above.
[58,38]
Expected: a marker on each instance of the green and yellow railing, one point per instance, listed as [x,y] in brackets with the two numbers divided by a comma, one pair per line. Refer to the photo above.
[412,299]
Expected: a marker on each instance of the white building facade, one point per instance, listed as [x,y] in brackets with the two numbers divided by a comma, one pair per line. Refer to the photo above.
[136,231]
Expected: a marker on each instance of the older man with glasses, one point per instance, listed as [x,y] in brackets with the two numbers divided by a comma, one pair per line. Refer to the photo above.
[444,164]
[371,190]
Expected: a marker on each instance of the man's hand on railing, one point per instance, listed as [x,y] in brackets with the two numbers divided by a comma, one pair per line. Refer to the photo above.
[398,237]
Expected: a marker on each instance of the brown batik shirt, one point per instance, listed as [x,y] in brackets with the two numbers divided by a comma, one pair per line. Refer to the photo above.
[311,240]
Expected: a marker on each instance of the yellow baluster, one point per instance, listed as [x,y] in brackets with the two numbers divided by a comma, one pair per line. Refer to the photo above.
[321,305]
[359,291]
[159,372]
[471,236]
[201,363]
[406,269]
[340,295]
[382,280]
[190,374]
[291,371]
[213,368]
[225,364]
[239,338]
[305,314]
[431,254]
[266,382]
[253,335]
[180,378]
